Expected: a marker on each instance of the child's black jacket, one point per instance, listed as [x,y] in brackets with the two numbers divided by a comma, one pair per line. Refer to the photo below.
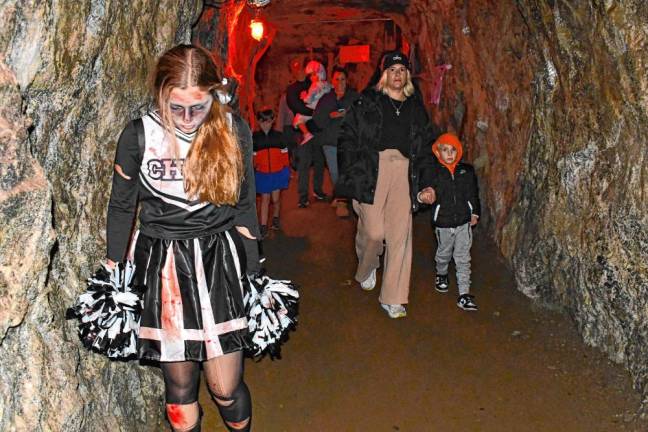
[457,196]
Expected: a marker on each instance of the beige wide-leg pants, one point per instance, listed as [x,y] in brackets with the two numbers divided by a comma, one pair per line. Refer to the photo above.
[388,219]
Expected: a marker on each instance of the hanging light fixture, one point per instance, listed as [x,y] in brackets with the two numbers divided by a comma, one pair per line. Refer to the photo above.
[256,29]
[256,25]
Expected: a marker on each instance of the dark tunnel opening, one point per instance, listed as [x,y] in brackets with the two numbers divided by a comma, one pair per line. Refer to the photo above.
[352,35]
[356,34]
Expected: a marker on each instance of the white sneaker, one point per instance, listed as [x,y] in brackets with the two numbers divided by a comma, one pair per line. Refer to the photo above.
[394,311]
[369,283]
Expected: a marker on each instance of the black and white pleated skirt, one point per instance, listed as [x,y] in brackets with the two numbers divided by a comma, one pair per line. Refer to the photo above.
[193,298]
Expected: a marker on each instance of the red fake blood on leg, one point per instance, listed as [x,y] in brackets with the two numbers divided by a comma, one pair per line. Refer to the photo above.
[176,416]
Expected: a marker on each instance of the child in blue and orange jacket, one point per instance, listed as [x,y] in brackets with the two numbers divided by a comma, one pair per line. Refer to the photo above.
[271,168]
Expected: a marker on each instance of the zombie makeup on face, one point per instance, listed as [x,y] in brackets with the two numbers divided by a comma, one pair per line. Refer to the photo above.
[190,112]
[189,107]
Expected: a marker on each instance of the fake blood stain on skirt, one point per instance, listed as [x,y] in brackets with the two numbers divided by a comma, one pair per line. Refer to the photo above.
[193,304]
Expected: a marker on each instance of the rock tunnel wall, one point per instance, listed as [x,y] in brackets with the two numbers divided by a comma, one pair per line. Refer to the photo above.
[578,233]
[71,74]
[486,95]
[551,98]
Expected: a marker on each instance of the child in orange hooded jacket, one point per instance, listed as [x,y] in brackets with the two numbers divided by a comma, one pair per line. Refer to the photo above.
[455,211]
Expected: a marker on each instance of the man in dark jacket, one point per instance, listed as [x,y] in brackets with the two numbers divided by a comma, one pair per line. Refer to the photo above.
[455,211]
[310,152]
[327,117]
[385,136]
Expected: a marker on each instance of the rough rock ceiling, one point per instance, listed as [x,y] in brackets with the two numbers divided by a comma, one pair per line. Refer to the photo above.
[331,9]
[336,8]
[317,24]
[287,12]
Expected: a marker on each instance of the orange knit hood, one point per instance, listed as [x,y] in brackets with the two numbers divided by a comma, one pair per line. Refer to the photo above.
[449,139]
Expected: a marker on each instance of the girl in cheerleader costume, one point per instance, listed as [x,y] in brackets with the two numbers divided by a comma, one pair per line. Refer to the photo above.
[188,164]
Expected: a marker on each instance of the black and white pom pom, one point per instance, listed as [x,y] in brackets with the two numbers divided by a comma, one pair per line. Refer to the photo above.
[109,312]
[272,308]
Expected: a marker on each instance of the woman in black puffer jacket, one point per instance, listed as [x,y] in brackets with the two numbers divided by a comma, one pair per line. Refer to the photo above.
[386,136]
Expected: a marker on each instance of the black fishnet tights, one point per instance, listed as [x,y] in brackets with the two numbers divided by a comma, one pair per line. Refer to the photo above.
[181,381]
[224,377]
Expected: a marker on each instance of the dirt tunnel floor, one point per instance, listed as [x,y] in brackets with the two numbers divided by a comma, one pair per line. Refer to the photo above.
[348,367]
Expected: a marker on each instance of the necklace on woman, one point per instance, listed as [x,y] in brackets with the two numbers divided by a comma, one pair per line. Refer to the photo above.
[394,105]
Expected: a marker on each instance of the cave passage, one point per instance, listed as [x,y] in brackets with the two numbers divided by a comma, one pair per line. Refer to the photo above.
[550,101]
[348,367]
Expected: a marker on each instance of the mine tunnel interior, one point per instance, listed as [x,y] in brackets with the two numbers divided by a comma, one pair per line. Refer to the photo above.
[468,91]
[549,99]
[359,36]
[521,86]
[352,35]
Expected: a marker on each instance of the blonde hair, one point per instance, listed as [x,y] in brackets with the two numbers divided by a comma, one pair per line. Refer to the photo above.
[381,86]
[213,169]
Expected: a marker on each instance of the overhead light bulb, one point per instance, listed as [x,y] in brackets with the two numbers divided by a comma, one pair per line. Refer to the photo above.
[256,29]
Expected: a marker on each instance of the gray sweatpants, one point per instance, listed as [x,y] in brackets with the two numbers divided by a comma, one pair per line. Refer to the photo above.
[455,243]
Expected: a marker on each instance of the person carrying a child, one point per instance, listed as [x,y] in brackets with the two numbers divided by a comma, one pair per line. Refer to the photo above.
[451,187]
[318,88]
[309,150]
[271,168]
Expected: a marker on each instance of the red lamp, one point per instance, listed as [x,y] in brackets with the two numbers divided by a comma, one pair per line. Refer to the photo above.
[256,29]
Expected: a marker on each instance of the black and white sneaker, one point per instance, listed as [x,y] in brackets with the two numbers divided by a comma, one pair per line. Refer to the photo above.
[467,302]
[441,284]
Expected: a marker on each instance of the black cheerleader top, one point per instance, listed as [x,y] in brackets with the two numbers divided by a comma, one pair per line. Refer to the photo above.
[156,182]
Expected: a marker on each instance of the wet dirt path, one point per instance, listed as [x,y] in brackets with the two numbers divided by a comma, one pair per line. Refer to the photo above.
[511,366]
